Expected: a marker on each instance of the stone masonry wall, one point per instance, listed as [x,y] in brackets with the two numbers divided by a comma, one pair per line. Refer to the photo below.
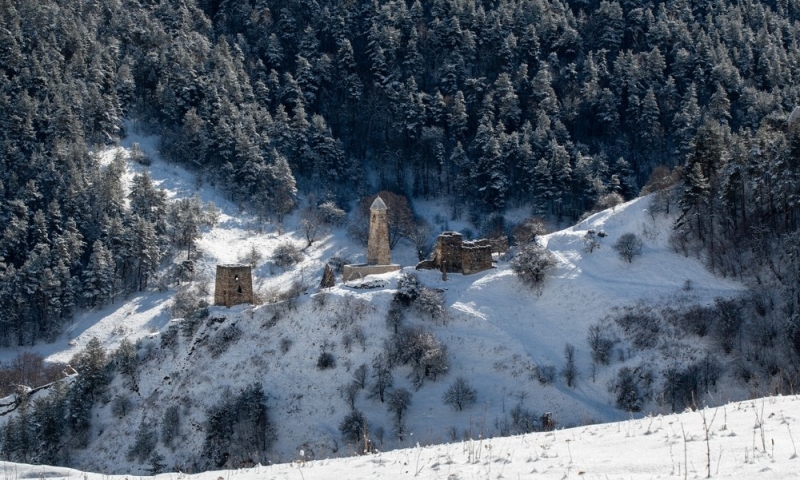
[233,285]
[448,250]
[476,257]
[378,252]
[459,256]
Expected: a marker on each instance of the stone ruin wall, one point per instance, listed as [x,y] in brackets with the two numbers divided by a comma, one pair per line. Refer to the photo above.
[233,285]
[463,257]
[448,250]
[499,244]
[476,257]
[358,272]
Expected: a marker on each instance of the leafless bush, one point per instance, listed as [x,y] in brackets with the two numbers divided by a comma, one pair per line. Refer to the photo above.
[418,346]
[532,264]
[590,241]
[546,374]
[331,214]
[223,340]
[629,246]
[138,156]
[528,230]
[28,369]
[311,225]
[430,304]
[460,394]
[570,370]
[286,255]
[253,257]
[326,360]
[609,200]
[642,327]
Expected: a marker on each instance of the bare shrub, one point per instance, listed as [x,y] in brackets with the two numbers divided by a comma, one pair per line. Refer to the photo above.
[680,387]
[286,255]
[353,427]
[626,389]
[728,323]
[422,236]
[169,338]
[418,346]
[460,394]
[532,264]
[360,376]
[253,257]
[121,405]
[523,420]
[661,182]
[187,304]
[311,225]
[642,327]
[528,230]
[331,214]
[430,303]
[570,370]
[350,393]
[139,156]
[590,241]
[285,345]
[600,343]
[609,200]
[326,360]
[28,369]
[397,403]
[546,374]
[223,340]
[629,246]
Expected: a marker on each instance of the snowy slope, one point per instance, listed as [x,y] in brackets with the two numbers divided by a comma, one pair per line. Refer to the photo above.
[751,439]
[498,333]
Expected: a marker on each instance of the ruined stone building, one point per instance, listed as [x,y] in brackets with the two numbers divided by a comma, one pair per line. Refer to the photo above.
[454,255]
[379,258]
[234,285]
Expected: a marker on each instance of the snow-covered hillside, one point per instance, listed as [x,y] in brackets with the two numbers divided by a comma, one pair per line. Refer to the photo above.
[498,332]
[751,439]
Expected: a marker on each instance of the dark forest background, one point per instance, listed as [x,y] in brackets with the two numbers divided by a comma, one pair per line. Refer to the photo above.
[543,104]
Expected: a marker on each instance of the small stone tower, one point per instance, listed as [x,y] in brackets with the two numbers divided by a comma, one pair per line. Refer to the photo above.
[378,246]
[234,285]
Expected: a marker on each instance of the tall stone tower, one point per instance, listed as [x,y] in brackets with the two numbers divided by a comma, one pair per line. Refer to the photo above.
[378,246]
[234,285]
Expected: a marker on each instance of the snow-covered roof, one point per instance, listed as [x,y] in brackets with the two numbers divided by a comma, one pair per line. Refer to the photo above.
[378,204]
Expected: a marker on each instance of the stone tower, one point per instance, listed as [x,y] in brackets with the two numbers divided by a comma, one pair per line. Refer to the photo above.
[378,246]
[234,285]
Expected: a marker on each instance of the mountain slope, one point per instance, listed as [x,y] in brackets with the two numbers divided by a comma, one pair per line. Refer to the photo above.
[500,335]
[751,439]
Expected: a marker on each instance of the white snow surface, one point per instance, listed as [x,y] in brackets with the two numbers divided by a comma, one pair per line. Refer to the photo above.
[746,440]
[498,332]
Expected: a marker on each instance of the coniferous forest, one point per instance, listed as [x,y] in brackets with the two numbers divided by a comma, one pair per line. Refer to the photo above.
[544,104]
[549,105]
[557,107]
